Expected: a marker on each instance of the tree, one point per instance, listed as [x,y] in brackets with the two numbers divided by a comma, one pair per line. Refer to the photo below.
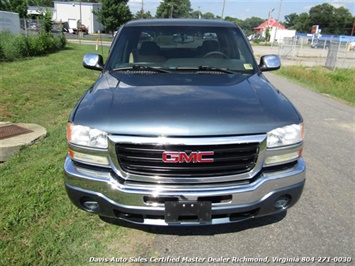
[4,5]
[113,14]
[17,6]
[303,24]
[48,23]
[291,20]
[42,3]
[267,34]
[297,22]
[343,21]
[331,20]
[195,14]
[249,24]
[322,15]
[208,15]
[234,20]
[140,14]
[174,9]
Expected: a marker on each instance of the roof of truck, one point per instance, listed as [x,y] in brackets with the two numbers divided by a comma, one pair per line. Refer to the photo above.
[180,22]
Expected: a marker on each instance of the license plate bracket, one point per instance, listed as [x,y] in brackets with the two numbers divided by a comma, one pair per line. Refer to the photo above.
[188,211]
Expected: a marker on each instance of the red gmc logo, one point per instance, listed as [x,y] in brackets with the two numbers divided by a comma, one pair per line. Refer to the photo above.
[183,157]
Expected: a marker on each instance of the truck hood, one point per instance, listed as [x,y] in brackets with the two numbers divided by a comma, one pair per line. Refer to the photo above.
[172,104]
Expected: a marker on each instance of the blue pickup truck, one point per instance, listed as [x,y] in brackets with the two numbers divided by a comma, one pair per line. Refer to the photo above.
[180,129]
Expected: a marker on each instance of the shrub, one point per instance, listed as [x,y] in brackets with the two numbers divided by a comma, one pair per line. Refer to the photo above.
[60,42]
[48,23]
[8,47]
[15,47]
[1,54]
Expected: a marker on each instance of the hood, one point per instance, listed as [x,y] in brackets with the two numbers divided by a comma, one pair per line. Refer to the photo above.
[172,104]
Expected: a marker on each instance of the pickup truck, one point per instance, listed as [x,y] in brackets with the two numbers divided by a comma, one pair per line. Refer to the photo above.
[180,129]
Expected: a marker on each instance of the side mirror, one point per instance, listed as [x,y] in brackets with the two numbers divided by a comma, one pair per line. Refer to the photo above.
[93,61]
[270,63]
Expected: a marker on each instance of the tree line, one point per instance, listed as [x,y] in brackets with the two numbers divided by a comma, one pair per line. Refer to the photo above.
[114,13]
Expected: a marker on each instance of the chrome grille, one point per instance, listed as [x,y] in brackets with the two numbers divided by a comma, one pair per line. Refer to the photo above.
[146,159]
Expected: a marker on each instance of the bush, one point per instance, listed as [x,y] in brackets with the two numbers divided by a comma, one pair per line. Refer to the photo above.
[2,56]
[12,47]
[15,47]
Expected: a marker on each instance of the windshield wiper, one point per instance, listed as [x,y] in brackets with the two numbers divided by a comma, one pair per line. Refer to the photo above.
[141,67]
[206,68]
[209,68]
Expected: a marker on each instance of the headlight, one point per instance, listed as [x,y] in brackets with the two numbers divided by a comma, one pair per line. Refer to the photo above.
[284,144]
[284,136]
[86,136]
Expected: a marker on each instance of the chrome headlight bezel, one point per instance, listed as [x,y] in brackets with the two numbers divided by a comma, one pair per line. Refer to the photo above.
[87,136]
[285,136]
[284,144]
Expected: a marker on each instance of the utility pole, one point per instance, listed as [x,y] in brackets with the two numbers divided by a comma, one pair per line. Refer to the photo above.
[224,4]
[267,31]
[269,16]
[278,22]
[171,10]
[142,10]
[79,25]
[351,36]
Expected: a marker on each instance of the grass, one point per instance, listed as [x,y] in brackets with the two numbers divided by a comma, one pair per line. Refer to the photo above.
[38,223]
[338,84]
[90,37]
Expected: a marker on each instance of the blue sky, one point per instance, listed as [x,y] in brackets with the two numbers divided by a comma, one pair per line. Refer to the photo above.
[243,9]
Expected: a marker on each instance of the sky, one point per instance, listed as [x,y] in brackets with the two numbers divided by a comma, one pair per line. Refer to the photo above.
[243,9]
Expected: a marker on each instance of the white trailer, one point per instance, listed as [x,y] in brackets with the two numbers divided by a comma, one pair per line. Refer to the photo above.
[74,11]
[279,34]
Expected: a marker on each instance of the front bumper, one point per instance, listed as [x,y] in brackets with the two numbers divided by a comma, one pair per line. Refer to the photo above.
[145,204]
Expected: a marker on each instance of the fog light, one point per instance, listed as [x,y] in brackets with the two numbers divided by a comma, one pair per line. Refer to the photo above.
[90,205]
[282,202]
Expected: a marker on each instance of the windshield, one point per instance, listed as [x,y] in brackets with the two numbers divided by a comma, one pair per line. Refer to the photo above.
[182,48]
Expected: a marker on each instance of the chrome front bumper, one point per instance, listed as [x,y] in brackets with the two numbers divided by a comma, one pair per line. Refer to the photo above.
[134,201]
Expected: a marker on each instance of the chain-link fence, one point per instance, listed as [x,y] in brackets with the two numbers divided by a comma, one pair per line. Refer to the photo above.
[33,26]
[330,53]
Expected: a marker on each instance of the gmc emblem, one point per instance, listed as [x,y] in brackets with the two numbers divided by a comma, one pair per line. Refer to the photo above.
[183,157]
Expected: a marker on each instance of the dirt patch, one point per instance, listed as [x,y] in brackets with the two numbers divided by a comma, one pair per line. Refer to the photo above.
[4,114]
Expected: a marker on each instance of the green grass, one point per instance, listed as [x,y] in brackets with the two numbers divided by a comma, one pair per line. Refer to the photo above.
[338,84]
[38,223]
[91,37]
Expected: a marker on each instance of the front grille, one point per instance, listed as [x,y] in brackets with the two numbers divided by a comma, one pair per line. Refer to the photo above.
[146,159]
